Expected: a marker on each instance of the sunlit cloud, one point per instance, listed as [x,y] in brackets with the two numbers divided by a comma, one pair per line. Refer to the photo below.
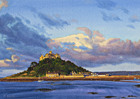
[14,58]
[3,63]
[86,30]
[9,62]
[134,18]
[9,49]
[3,3]
[95,50]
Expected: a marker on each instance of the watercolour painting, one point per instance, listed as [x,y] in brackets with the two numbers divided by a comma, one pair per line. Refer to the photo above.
[69,49]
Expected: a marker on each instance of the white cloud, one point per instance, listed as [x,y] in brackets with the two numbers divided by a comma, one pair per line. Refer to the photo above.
[9,49]
[9,62]
[8,72]
[119,67]
[79,40]
[86,30]
[14,58]
[3,63]
[96,51]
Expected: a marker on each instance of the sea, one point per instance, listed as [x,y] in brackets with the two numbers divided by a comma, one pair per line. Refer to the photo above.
[69,90]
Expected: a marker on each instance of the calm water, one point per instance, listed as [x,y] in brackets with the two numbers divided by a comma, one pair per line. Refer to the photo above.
[69,90]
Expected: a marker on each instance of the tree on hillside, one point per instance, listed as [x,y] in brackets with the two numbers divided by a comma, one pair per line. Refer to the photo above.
[33,64]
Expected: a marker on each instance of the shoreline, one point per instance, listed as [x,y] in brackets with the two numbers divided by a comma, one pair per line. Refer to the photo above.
[94,78]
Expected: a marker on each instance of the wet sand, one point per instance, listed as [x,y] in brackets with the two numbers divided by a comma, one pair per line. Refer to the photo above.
[121,78]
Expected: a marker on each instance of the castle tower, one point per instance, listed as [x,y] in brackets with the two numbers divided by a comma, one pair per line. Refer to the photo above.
[41,58]
[57,55]
[50,52]
[47,55]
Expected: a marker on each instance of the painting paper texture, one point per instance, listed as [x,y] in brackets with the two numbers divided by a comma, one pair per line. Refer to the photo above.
[57,48]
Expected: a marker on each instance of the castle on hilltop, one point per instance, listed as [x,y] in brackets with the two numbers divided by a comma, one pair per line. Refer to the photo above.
[49,55]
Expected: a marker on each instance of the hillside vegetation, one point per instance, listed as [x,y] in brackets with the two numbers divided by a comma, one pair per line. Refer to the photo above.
[51,65]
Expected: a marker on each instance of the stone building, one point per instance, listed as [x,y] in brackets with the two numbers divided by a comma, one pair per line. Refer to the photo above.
[49,55]
[52,74]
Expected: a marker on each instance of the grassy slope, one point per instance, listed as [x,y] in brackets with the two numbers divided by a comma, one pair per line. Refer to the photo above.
[52,65]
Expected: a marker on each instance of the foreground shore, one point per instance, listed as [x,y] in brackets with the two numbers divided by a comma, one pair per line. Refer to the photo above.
[95,78]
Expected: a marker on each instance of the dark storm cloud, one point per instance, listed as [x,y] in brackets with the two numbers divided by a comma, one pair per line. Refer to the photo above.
[50,21]
[40,28]
[106,4]
[22,39]
[125,10]
[110,5]
[110,18]
[131,26]
[3,51]
[18,33]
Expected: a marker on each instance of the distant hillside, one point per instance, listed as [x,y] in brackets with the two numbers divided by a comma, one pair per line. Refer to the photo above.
[50,65]
[120,73]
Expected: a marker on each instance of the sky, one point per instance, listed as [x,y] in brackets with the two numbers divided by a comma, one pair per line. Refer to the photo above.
[99,35]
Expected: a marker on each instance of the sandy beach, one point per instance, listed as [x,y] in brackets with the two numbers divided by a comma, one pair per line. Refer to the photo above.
[121,78]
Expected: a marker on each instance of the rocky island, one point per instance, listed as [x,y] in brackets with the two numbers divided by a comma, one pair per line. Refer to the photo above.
[52,67]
